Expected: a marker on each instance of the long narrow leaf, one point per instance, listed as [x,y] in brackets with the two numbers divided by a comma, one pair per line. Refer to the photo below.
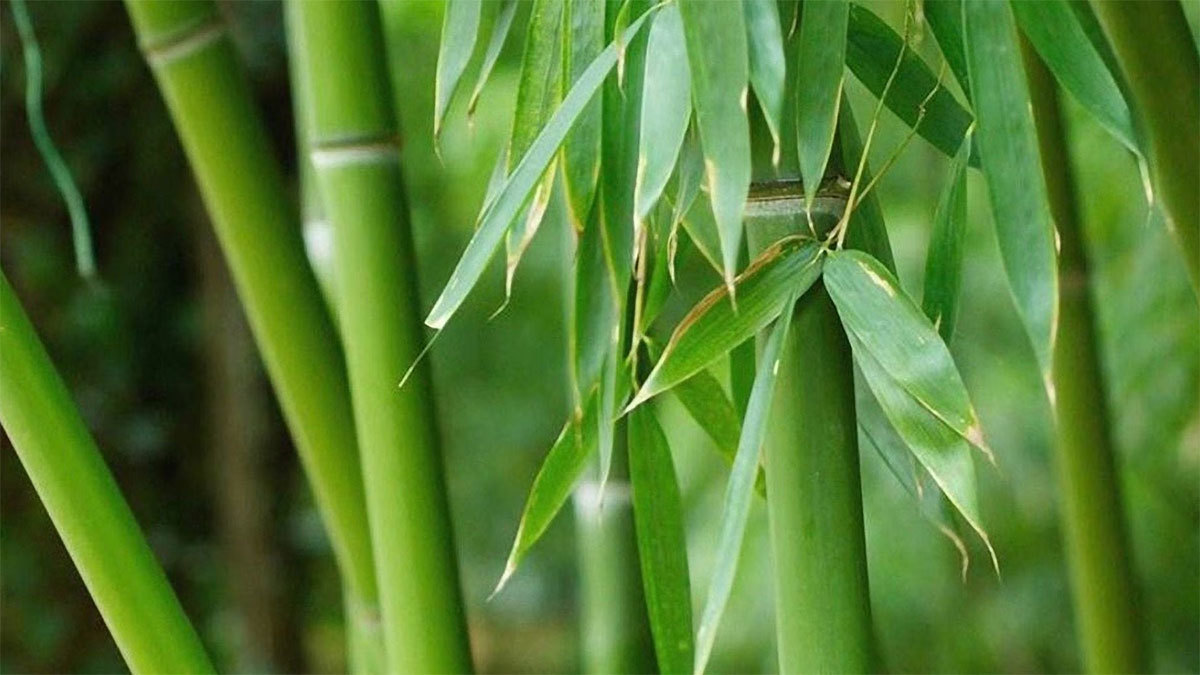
[662,544]
[867,232]
[594,310]
[943,265]
[584,38]
[499,214]
[500,29]
[945,21]
[666,108]
[1013,168]
[719,61]
[714,326]
[768,67]
[820,74]
[460,29]
[740,489]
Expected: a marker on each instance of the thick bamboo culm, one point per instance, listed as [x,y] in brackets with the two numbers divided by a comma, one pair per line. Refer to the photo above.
[356,152]
[1103,586]
[193,60]
[83,500]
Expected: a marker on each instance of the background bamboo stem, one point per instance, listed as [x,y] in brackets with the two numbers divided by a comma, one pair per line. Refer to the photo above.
[70,476]
[357,158]
[1093,520]
[193,61]
[1162,75]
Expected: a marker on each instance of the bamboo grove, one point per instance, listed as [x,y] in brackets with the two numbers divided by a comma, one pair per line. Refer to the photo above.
[717,130]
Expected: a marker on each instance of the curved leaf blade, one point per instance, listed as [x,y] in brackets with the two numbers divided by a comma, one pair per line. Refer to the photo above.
[666,108]
[460,29]
[820,73]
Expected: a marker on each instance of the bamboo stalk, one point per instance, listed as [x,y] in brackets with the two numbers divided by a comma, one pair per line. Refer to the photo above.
[83,500]
[357,158]
[193,61]
[1102,580]
[1162,72]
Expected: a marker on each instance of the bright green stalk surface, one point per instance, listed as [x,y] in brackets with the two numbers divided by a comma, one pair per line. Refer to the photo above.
[1093,522]
[86,506]
[1158,56]
[357,157]
[193,60]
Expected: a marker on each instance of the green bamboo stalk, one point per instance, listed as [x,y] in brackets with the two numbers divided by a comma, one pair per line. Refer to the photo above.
[1162,74]
[83,500]
[187,46]
[357,157]
[1102,580]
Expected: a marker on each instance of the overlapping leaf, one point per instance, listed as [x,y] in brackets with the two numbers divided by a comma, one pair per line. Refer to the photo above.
[666,108]
[714,326]
[1012,166]
[820,73]
[460,29]
[500,29]
[943,264]
[867,231]
[584,38]
[945,21]
[767,63]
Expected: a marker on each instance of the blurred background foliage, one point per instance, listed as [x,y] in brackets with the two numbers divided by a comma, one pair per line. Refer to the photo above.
[162,366]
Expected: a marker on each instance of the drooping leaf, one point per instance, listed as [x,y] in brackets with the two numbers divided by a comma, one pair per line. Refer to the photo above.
[584,37]
[662,545]
[666,108]
[609,394]
[739,491]
[1012,166]
[701,228]
[658,286]
[689,175]
[555,480]
[900,338]
[460,29]
[714,326]
[499,214]
[594,310]
[719,62]
[767,63]
[871,53]
[1057,35]
[945,21]
[500,29]
[944,262]
[706,402]
[820,73]
[867,231]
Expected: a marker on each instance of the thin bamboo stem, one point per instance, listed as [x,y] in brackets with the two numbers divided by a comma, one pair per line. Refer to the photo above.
[357,158]
[1162,74]
[187,46]
[1102,581]
[83,500]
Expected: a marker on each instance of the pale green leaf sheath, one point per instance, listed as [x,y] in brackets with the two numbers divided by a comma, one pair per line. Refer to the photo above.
[719,63]
[666,108]
[714,326]
[820,73]
[943,264]
[740,489]
[499,214]
[662,545]
[768,66]
[877,313]
[1055,31]
[460,28]
[1012,166]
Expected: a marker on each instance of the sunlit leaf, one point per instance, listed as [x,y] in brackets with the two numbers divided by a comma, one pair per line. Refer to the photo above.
[584,37]
[662,545]
[944,262]
[768,67]
[666,108]
[1012,166]
[719,63]
[500,29]
[871,54]
[714,326]
[739,491]
[820,73]
[1057,35]
[499,214]
[460,29]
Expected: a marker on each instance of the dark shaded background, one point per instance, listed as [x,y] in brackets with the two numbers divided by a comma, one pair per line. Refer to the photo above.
[160,362]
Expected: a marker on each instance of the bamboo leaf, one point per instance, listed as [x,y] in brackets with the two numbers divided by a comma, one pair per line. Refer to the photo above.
[609,394]
[499,214]
[500,29]
[943,265]
[714,326]
[584,37]
[706,402]
[900,339]
[719,62]
[689,174]
[701,228]
[1059,38]
[662,545]
[820,73]
[555,480]
[1012,166]
[767,63]
[460,29]
[595,310]
[867,231]
[739,490]
[871,54]
[666,108]
[945,21]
